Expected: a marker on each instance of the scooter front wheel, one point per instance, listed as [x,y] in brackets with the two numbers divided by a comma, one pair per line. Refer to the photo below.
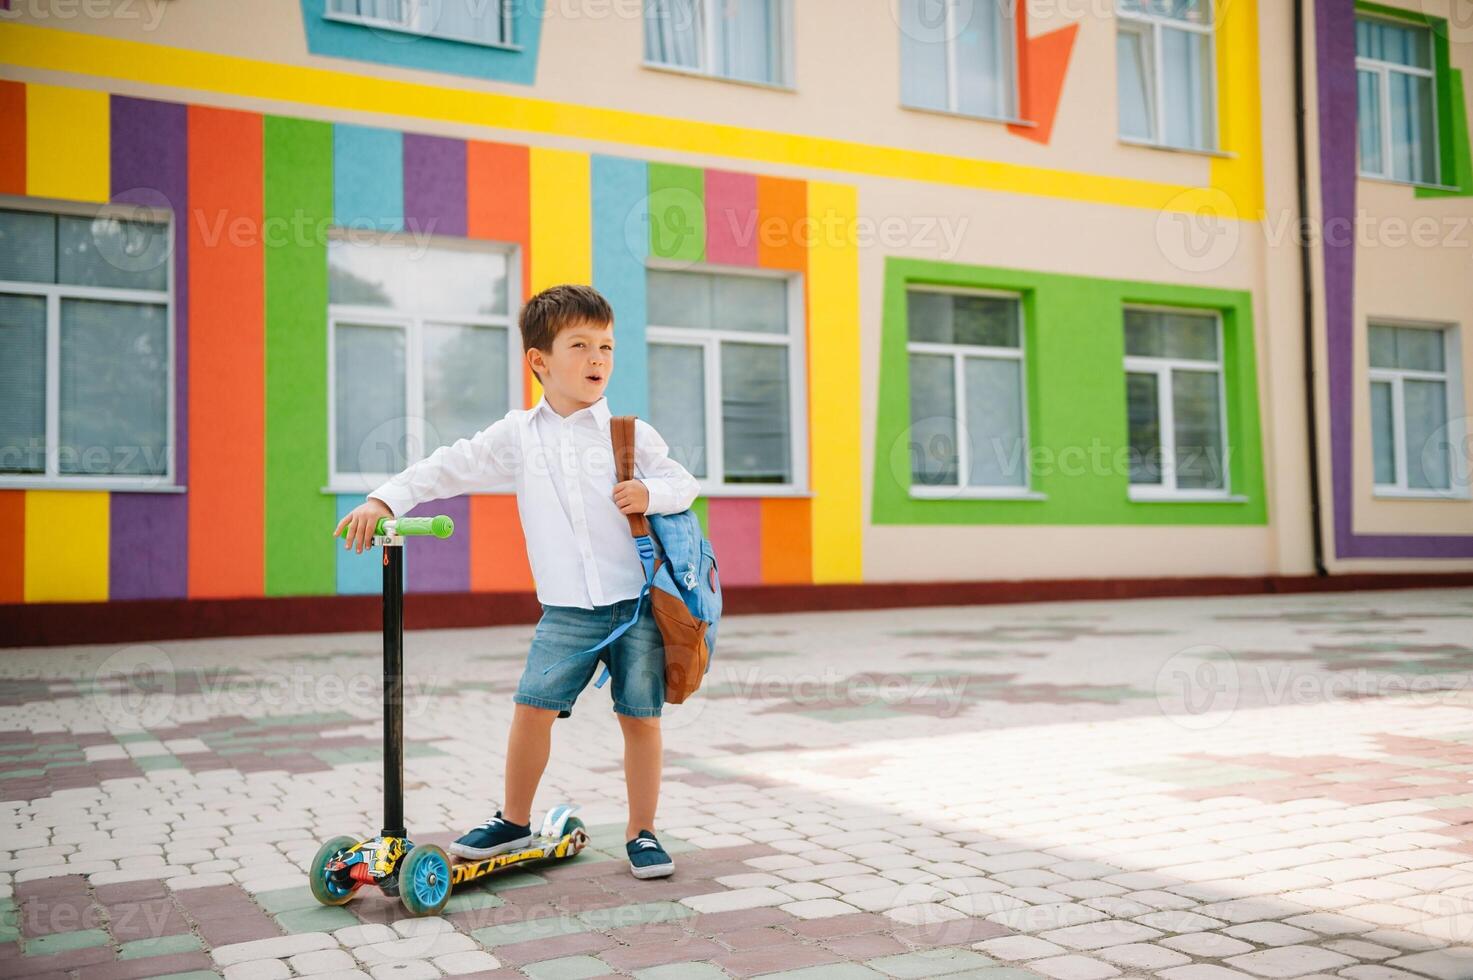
[326,886]
[424,880]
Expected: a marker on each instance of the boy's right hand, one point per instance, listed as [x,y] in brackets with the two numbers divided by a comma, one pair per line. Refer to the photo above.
[361,523]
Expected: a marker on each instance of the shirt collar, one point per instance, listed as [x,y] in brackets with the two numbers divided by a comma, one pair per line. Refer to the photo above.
[598,411]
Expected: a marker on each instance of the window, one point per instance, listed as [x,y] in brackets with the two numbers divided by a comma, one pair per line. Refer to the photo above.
[968,410]
[958,55]
[1396,111]
[722,368]
[421,350]
[475,21]
[1174,404]
[86,349]
[744,40]
[1412,391]
[1166,77]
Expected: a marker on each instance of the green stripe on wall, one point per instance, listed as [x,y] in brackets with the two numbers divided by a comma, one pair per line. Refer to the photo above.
[698,507]
[677,212]
[298,205]
[1074,345]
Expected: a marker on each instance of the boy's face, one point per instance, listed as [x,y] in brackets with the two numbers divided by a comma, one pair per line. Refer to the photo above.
[580,362]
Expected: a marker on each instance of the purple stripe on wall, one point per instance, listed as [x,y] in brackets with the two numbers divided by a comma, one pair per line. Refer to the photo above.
[731,218]
[441,566]
[1335,67]
[149,554]
[434,185]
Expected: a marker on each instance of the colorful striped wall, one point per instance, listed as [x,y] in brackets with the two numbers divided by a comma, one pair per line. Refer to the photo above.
[250,516]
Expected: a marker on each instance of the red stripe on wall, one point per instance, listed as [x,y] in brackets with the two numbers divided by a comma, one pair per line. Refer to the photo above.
[498,550]
[736,533]
[13,560]
[732,226]
[12,138]
[227,351]
[782,209]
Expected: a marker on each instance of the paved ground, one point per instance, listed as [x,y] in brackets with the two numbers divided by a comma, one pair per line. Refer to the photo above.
[1188,789]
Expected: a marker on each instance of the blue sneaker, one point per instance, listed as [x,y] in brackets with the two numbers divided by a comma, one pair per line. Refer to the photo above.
[496,836]
[647,859]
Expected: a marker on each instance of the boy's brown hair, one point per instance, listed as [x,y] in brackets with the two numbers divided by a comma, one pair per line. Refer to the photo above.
[547,313]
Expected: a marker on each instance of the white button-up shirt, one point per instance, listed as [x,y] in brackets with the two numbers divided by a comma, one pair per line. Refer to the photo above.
[562,469]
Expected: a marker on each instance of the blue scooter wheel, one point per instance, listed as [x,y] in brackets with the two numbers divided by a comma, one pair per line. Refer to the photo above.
[424,880]
[326,887]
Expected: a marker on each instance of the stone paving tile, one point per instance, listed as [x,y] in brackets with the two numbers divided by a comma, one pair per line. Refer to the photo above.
[1001,792]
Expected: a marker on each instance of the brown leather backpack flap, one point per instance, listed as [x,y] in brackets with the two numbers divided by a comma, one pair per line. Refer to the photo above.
[686,655]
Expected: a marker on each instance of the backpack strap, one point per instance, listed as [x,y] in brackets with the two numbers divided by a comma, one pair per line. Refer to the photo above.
[621,429]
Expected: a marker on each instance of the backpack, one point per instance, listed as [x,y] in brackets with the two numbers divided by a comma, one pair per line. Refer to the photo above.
[680,579]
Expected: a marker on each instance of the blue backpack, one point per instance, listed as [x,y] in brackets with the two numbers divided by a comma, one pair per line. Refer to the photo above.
[679,577]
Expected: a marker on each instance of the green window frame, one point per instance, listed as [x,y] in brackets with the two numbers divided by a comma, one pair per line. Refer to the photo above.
[1076,403]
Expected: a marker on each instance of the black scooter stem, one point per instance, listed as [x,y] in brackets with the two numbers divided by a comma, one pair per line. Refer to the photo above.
[393,691]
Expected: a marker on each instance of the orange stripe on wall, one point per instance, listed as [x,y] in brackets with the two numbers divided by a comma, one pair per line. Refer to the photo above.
[787,540]
[782,228]
[227,417]
[13,560]
[12,138]
[498,550]
[498,198]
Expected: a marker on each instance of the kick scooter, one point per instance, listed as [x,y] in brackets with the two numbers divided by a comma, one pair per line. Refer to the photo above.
[421,876]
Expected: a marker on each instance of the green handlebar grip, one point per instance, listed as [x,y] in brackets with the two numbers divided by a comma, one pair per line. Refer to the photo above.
[441,526]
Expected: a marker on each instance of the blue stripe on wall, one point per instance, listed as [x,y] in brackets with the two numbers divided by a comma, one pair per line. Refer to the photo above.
[359,574]
[368,177]
[621,240]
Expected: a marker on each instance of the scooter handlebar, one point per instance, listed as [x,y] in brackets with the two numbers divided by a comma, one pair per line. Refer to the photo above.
[441,526]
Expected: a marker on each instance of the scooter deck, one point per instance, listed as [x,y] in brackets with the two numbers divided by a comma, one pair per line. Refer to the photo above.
[465,871]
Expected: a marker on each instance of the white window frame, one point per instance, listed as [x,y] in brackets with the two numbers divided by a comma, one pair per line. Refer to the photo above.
[413,24]
[54,293]
[1162,368]
[783,17]
[714,484]
[414,323]
[1151,25]
[1383,70]
[958,354]
[1451,377]
[1005,49]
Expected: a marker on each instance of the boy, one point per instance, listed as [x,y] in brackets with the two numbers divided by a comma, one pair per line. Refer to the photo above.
[559,458]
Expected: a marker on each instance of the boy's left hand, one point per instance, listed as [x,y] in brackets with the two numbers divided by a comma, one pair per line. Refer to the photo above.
[631,497]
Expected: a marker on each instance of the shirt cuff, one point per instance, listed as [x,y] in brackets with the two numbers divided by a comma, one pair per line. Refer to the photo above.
[662,496]
[397,499]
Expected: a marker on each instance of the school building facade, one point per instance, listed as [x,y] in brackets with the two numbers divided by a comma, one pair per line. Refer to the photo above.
[940,299]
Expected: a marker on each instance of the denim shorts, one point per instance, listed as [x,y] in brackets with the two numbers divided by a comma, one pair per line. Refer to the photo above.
[636,660]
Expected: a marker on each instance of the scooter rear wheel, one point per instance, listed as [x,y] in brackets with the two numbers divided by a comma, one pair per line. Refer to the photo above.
[424,880]
[325,886]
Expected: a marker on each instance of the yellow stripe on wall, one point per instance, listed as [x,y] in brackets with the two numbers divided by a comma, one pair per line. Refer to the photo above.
[92,55]
[833,384]
[1240,176]
[562,224]
[66,545]
[68,135]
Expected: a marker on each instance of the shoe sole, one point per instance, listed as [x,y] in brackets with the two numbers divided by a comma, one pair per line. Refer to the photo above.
[479,853]
[652,870]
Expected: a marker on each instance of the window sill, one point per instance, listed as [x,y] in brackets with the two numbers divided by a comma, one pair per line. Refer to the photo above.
[1416,184]
[379,25]
[973,493]
[970,116]
[749,490]
[710,76]
[1396,493]
[1171,148]
[1165,497]
[161,485]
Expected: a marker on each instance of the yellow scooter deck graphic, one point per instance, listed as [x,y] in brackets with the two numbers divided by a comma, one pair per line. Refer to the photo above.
[464,871]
